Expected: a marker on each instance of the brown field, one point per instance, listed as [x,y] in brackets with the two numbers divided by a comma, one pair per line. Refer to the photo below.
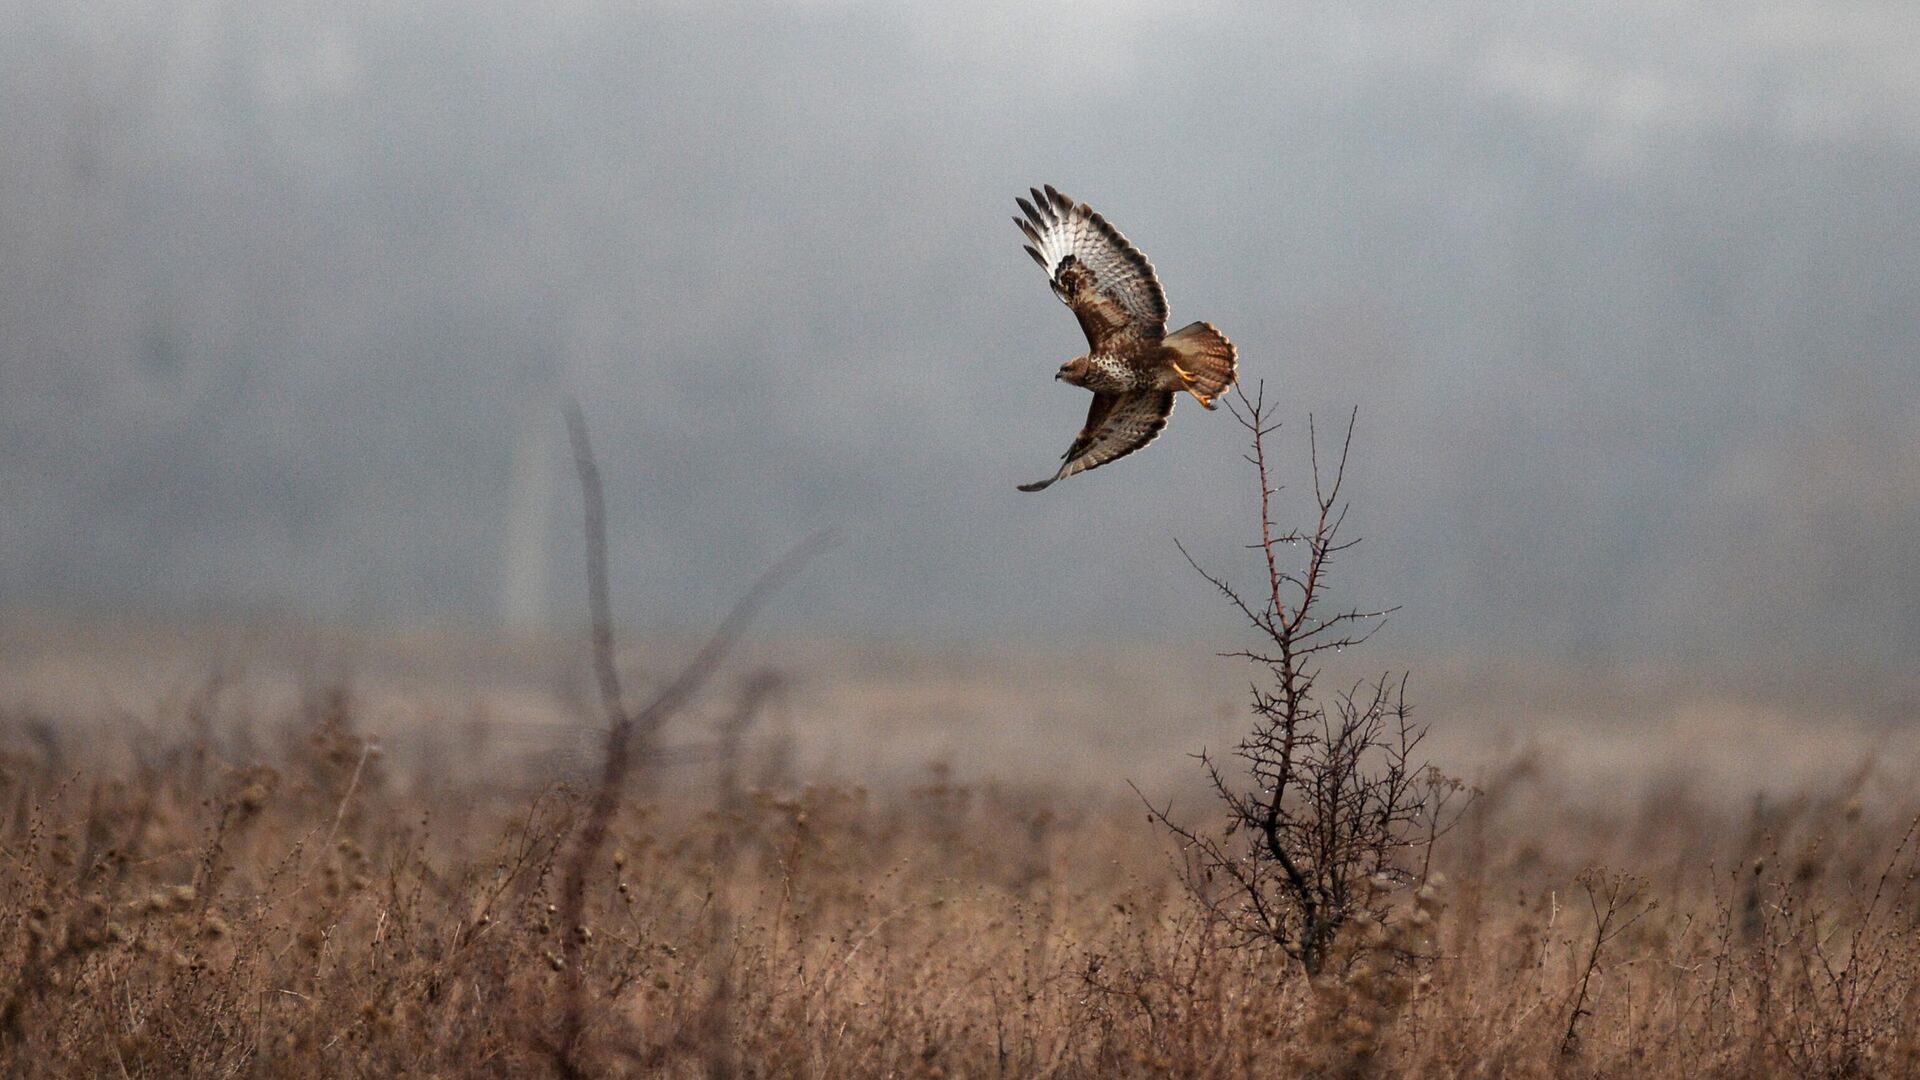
[276,853]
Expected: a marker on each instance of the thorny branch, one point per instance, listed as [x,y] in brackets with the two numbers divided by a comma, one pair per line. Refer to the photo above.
[1337,801]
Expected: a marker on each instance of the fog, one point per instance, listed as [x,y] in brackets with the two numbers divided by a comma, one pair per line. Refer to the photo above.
[1626,295]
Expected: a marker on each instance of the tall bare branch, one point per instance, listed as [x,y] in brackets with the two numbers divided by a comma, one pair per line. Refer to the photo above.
[1336,801]
[630,735]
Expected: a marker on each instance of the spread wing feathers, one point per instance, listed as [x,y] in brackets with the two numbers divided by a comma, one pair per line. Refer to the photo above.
[1106,281]
[1117,425]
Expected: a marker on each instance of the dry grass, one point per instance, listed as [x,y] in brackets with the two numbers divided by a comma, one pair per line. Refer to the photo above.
[239,890]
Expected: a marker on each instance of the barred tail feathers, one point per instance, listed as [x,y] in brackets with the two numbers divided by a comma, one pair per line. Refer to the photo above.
[1207,354]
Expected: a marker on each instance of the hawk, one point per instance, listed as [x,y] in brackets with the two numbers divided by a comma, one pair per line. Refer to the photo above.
[1133,366]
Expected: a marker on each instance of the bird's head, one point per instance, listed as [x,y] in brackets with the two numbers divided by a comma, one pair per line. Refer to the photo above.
[1073,371]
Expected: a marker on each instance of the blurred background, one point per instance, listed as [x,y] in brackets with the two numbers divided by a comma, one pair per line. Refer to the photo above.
[1626,295]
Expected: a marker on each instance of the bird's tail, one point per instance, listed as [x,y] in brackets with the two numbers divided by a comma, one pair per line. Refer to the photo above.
[1206,354]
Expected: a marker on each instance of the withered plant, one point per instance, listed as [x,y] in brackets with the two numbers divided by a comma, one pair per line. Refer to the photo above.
[1617,901]
[630,732]
[1334,811]
[1832,967]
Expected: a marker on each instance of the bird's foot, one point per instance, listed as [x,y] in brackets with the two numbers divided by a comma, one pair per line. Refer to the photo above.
[1187,379]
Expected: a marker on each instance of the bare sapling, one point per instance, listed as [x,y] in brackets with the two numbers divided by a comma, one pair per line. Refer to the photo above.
[1333,812]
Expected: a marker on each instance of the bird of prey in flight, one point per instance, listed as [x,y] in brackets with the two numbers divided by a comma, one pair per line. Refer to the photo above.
[1132,365]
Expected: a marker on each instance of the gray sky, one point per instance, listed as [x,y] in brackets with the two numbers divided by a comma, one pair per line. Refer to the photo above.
[1626,294]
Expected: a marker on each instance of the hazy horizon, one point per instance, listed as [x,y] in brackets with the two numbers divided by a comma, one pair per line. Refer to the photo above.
[1626,296]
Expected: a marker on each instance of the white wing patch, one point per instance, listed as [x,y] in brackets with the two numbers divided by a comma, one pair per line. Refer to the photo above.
[1135,421]
[1108,283]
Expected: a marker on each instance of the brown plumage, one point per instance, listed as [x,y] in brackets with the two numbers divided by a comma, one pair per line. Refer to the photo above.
[1132,365]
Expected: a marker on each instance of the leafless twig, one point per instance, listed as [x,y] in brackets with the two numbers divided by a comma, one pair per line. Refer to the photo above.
[630,734]
[1616,903]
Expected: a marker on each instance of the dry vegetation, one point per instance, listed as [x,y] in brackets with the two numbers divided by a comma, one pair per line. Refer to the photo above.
[266,896]
[237,889]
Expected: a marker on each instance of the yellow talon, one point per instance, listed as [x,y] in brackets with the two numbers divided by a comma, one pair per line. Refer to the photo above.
[1188,377]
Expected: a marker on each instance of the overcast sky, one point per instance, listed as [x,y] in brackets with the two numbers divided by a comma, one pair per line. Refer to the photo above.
[1626,295]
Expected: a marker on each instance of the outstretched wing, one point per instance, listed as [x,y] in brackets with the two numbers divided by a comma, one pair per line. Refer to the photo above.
[1106,281]
[1117,425]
